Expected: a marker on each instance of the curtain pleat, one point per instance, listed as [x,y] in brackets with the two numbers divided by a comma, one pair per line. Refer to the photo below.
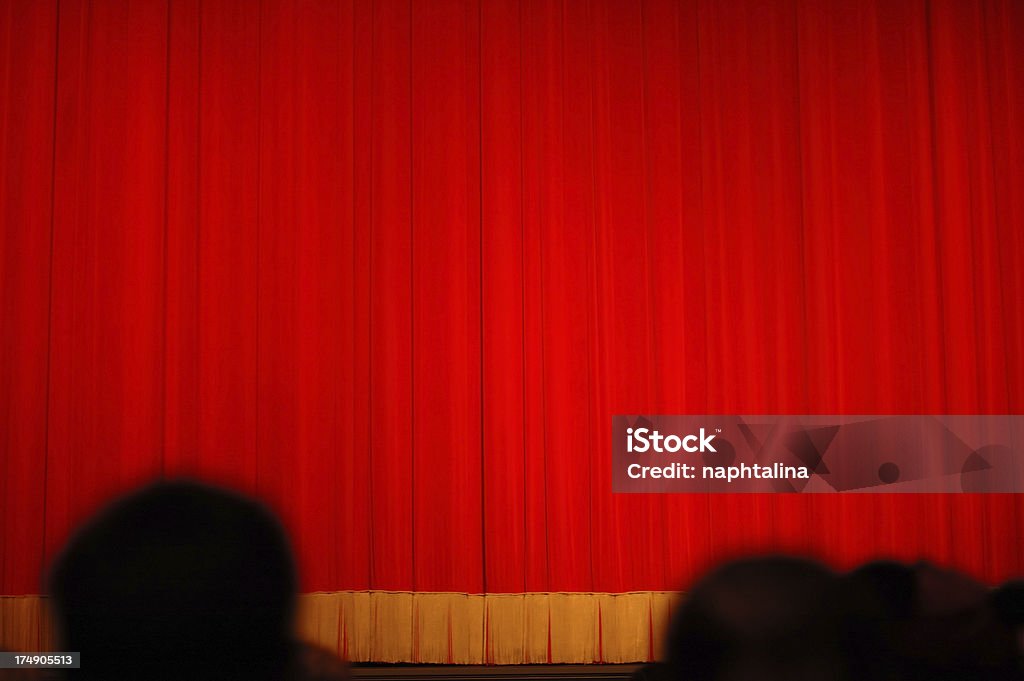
[393,265]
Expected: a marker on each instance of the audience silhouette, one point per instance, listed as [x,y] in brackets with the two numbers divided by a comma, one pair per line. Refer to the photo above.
[181,580]
[767,618]
[776,618]
[185,581]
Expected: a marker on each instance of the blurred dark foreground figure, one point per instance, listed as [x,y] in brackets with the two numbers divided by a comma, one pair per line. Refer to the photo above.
[923,623]
[180,581]
[768,619]
[758,619]
[1008,603]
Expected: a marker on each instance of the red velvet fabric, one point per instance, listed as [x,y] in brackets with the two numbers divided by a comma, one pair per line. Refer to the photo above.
[393,266]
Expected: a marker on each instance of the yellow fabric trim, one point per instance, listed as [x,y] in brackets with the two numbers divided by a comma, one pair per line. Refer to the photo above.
[445,628]
[25,624]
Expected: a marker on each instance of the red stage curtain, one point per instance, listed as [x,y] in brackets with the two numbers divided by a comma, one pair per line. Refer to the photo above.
[393,266]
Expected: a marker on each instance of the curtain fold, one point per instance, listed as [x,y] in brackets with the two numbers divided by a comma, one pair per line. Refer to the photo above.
[392,266]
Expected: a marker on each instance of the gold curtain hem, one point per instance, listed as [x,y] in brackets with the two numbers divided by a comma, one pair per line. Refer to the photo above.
[443,628]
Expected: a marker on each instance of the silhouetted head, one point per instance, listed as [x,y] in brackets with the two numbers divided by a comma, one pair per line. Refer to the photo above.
[918,623]
[1008,604]
[1008,600]
[876,602]
[177,581]
[956,633]
[762,618]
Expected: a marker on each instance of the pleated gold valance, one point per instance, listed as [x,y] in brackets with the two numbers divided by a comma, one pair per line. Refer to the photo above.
[445,628]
